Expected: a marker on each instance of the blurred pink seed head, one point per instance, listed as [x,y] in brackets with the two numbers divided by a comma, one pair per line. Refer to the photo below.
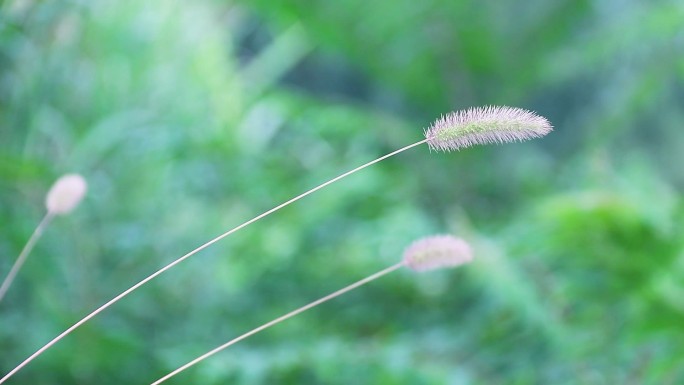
[436,252]
[485,125]
[65,194]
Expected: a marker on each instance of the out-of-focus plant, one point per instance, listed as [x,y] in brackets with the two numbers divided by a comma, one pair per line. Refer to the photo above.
[425,254]
[63,197]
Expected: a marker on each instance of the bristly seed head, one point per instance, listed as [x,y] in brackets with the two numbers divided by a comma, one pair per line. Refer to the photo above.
[485,125]
[65,194]
[437,251]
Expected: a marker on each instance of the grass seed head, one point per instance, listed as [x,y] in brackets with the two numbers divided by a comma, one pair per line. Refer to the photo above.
[485,125]
[436,252]
[65,194]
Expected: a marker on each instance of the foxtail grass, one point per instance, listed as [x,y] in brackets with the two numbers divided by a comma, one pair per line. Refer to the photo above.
[453,131]
[64,195]
[428,253]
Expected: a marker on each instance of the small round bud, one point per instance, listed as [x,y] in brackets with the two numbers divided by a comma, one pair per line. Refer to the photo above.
[436,252]
[65,194]
[485,125]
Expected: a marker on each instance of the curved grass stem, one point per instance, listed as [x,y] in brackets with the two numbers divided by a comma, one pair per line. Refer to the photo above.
[281,319]
[24,254]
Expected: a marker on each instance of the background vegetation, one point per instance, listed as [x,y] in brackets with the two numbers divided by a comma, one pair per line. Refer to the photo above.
[190,117]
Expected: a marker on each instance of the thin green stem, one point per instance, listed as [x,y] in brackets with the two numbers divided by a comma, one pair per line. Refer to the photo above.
[24,254]
[193,252]
[281,319]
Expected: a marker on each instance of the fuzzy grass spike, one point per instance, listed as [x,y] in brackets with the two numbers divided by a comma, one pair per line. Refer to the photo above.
[485,125]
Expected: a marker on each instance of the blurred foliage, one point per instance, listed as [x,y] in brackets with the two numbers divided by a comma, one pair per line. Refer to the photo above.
[189,118]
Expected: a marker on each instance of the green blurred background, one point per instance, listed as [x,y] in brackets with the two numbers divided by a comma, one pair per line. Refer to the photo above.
[190,117]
